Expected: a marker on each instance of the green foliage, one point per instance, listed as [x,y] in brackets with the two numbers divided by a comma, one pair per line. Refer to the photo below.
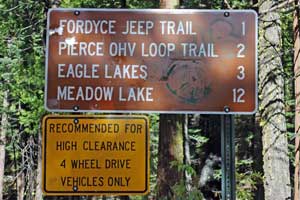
[154,128]
[217,4]
[289,77]
[194,134]
[243,4]
[91,4]
[109,4]
[142,4]
[246,184]
[22,75]
[181,167]
[180,190]
[23,61]
[247,179]
[201,4]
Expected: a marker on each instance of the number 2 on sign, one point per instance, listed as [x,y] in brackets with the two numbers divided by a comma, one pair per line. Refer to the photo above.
[241,48]
[238,94]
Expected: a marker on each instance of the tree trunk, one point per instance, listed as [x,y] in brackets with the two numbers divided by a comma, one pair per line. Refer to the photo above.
[3,133]
[170,142]
[21,186]
[271,110]
[187,155]
[170,149]
[169,4]
[257,155]
[297,96]
[210,157]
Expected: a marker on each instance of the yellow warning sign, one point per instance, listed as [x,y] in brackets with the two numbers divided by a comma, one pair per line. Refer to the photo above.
[95,154]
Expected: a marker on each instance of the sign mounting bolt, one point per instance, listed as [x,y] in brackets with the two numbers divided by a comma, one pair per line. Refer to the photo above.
[226,14]
[226,109]
[76,121]
[76,12]
[76,108]
[75,189]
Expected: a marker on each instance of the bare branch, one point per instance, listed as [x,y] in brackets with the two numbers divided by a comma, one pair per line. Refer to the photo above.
[227,4]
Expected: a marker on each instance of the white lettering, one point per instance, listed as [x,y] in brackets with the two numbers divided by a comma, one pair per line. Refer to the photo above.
[88,93]
[180,28]
[81,49]
[196,50]
[88,26]
[154,49]
[121,49]
[78,71]
[125,71]
[136,94]
[138,27]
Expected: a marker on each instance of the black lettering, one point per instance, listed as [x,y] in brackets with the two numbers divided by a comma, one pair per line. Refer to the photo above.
[58,128]
[63,128]
[85,127]
[85,164]
[132,146]
[117,163]
[121,146]
[70,128]
[118,181]
[95,181]
[83,181]
[108,146]
[116,128]
[77,128]
[59,145]
[100,181]
[133,128]
[110,181]
[66,145]
[84,145]
[139,128]
[63,180]
[69,181]
[91,128]
[52,128]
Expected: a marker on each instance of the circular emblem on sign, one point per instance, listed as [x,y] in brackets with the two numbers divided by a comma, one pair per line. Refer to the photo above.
[187,81]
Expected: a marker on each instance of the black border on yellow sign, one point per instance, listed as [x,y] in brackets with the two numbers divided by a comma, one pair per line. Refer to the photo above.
[93,192]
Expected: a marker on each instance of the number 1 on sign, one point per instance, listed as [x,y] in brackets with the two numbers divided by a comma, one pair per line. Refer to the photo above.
[243,28]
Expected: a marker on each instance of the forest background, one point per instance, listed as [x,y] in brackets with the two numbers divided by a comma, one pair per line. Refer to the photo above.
[266,143]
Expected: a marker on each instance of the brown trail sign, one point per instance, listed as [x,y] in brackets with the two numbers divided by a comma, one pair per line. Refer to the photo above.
[168,61]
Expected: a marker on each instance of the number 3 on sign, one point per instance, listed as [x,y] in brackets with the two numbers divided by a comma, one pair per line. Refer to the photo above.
[241,75]
[238,94]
